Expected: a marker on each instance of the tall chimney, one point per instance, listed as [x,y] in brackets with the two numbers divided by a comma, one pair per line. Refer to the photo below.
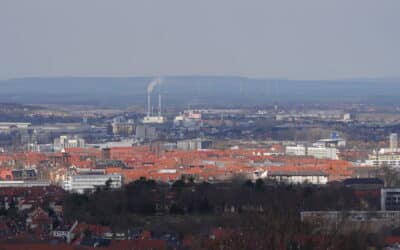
[159,104]
[148,103]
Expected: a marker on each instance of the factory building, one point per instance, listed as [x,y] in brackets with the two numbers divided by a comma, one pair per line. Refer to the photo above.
[150,118]
[123,128]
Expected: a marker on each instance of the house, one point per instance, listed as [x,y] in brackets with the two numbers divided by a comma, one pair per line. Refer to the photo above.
[64,232]
[39,221]
[95,230]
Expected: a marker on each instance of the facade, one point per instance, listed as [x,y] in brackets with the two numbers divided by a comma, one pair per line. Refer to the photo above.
[145,132]
[298,150]
[390,199]
[323,152]
[380,160]
[331,142]
[24,174]
[80,183]
[123,128]
[66,141]
[317,152]
[193,144]
[393,140]
[317,178]
[22,183]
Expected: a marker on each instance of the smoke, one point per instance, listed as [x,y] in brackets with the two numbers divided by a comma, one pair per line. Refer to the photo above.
[153,84]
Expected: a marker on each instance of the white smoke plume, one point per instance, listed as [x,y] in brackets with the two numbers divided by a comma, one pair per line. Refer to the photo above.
[153,84]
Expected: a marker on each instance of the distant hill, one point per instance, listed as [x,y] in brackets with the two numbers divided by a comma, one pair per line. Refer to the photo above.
[198,90]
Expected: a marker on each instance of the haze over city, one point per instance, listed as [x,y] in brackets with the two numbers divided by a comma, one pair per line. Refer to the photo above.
[307,39]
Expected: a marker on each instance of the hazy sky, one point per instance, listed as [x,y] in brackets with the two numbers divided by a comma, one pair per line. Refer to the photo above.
[295,39]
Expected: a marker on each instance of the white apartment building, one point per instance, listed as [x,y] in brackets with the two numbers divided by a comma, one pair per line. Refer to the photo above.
[299,150]
[380,160]
[323,152]
[317,178]
[80,183]
[317,152]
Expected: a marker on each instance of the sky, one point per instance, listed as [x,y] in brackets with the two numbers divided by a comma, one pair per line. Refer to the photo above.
[307,39]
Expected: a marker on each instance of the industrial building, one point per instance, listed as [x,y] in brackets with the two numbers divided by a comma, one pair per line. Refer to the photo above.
[150,118]
[123,128]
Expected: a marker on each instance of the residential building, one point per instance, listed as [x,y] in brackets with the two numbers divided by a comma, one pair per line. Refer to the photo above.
[193,144]
[90,181]
[299,150]
[317,152]
[390,199]
[323,152]
[299,177]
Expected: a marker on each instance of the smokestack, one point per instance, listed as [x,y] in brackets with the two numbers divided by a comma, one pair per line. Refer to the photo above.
[148,103]
[159,104]
[150,88]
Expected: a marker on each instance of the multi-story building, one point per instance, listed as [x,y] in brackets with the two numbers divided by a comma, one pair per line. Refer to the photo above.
[193,144]
[317,152]
[317,178]
[123,128]
[90,181]
[24,183]
[393,140]
[299,150]
[145,132]
[390,199]
[380,160]
[323,152]
[66,141]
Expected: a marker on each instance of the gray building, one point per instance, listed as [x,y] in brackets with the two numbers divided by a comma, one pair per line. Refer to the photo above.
[193,144]
[390,199]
